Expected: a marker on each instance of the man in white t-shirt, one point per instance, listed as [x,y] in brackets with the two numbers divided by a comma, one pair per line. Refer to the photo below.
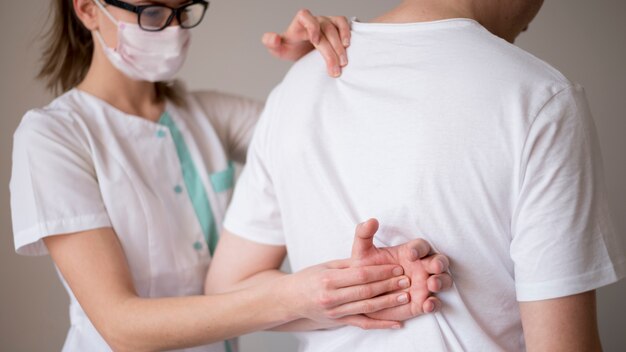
[442,129]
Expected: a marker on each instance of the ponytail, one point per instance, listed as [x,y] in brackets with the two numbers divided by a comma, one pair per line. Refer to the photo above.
[68,49]
[68,52]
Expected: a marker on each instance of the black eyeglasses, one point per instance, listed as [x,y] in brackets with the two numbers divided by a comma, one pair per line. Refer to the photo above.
[154,18]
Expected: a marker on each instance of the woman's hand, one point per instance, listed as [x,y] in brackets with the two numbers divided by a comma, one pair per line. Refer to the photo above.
[329,35]
[338,293]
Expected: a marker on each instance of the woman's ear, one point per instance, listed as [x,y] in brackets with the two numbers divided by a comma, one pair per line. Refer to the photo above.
[87,13]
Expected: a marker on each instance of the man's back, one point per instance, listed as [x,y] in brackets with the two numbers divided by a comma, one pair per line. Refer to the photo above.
[443,131]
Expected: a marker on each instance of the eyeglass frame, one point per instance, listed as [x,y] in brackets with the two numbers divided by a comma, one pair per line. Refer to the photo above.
[138,9]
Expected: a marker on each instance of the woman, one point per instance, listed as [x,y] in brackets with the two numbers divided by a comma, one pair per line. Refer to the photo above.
[124,180]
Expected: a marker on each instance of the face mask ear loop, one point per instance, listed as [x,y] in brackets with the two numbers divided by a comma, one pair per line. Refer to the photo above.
[106,12]
[96,33]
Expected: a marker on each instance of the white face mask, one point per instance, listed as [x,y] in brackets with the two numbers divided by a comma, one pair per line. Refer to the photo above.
[143,55]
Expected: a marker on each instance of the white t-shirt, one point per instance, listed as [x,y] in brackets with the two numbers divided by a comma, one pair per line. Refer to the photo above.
[81,164]
[442,131]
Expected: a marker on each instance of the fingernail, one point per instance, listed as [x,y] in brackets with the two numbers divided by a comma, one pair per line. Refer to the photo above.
[336,71]
[430,307]
[415,254]
[346,42]
[397,326]
[438,283]
[443,265]
[397,271]
[343,60]
[403,298]
[404,283]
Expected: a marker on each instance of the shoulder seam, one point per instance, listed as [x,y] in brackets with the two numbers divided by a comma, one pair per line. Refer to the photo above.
[530,126]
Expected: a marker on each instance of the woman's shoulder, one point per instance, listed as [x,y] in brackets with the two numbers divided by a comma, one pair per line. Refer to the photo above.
[60,120]
[218,102]
[62,110]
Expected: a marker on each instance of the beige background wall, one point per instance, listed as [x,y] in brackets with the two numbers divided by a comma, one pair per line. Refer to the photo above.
[584,39]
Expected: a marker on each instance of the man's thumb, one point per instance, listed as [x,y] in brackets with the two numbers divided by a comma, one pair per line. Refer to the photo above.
[364,238]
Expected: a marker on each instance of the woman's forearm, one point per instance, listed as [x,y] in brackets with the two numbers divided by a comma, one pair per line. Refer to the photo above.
[141,324]
[305,325]
[328,293]
[286,326]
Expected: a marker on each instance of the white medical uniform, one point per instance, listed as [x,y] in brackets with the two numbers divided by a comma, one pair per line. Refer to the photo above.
[443,131]
[81,164]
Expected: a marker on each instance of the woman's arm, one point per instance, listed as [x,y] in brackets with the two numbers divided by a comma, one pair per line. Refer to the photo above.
[422,269]
[95,267]
[349,291]
[233,119]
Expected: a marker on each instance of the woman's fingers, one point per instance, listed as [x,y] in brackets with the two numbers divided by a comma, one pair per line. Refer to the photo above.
[361,275]
[310,24]
[366,323]
[369,305]
[334,38]
[272,41]
[363,292]
[330,57]
[326,38]
[329,35]
[343,26]
[439,282]
[338,264]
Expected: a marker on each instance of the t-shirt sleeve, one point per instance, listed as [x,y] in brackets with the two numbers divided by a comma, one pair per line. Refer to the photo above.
[254,212]
[563,239]
[233,118]
[54,189]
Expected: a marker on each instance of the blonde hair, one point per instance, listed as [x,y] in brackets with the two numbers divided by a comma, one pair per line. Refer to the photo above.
[68,51]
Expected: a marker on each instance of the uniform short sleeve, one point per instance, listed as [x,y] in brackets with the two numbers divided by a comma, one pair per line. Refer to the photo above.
[233,118]
[563,239]
[54,189]
[254,212]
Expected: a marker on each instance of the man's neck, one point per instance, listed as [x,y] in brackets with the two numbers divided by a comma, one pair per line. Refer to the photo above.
[426,10]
